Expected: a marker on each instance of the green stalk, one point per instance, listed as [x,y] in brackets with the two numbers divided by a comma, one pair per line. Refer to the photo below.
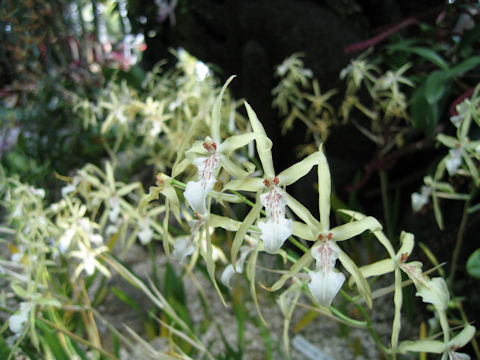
[385,203]
[459,242]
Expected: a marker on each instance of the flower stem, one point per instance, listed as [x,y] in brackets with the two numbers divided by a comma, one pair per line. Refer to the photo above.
[386,203]
[459,242]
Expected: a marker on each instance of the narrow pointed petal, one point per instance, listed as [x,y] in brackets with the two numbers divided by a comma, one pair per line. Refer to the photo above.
[216,112]
[408,241]
[247,184]
[378,268]
[362,284]
[463,337]
[242,230]
[354,228]
[264,144]
[324,191]
[233,169]
[303,213]
[299,170]
[431,346]
[237,141]
[302,231]
[304,261]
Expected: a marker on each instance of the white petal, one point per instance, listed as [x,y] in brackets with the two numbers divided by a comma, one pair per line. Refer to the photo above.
[196,196]
[435,292]
[274,234]
[146,233]
[227,276]
[96,239]
[66,239]
[89,264]
[420,200]
[454,160]
[324,286]
[183,247]
[114,208]
[17,321]
[453,355]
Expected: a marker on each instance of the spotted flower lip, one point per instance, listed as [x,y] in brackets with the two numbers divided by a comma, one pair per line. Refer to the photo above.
[277,228]
[325,283]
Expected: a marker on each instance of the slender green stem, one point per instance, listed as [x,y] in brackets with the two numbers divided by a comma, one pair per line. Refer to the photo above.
[386,203]
[459,242]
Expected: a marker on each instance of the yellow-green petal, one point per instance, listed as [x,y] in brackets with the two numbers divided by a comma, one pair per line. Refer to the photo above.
[303,213]
[358,278]
[264,144]
[354,228]
[237,141]
[431,346]
[299,170]
[324,191]
[216,112]
[246,184]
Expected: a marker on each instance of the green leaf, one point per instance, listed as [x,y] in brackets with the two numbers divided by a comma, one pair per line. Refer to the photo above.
[473,264]
[125,298]
[173,285]
[425,116]
[4,349]
[465,66]
[52,341]
[427,54]
[435,86]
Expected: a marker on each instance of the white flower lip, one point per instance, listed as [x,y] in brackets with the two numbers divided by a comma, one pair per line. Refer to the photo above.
[325,283]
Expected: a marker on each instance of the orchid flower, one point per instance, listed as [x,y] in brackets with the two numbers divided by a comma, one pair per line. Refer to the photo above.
[462,150]
[433,291]
[325,282]
[448,349]
[419,200]
[276,228]
[209,155]
[18,321]
[230,270]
